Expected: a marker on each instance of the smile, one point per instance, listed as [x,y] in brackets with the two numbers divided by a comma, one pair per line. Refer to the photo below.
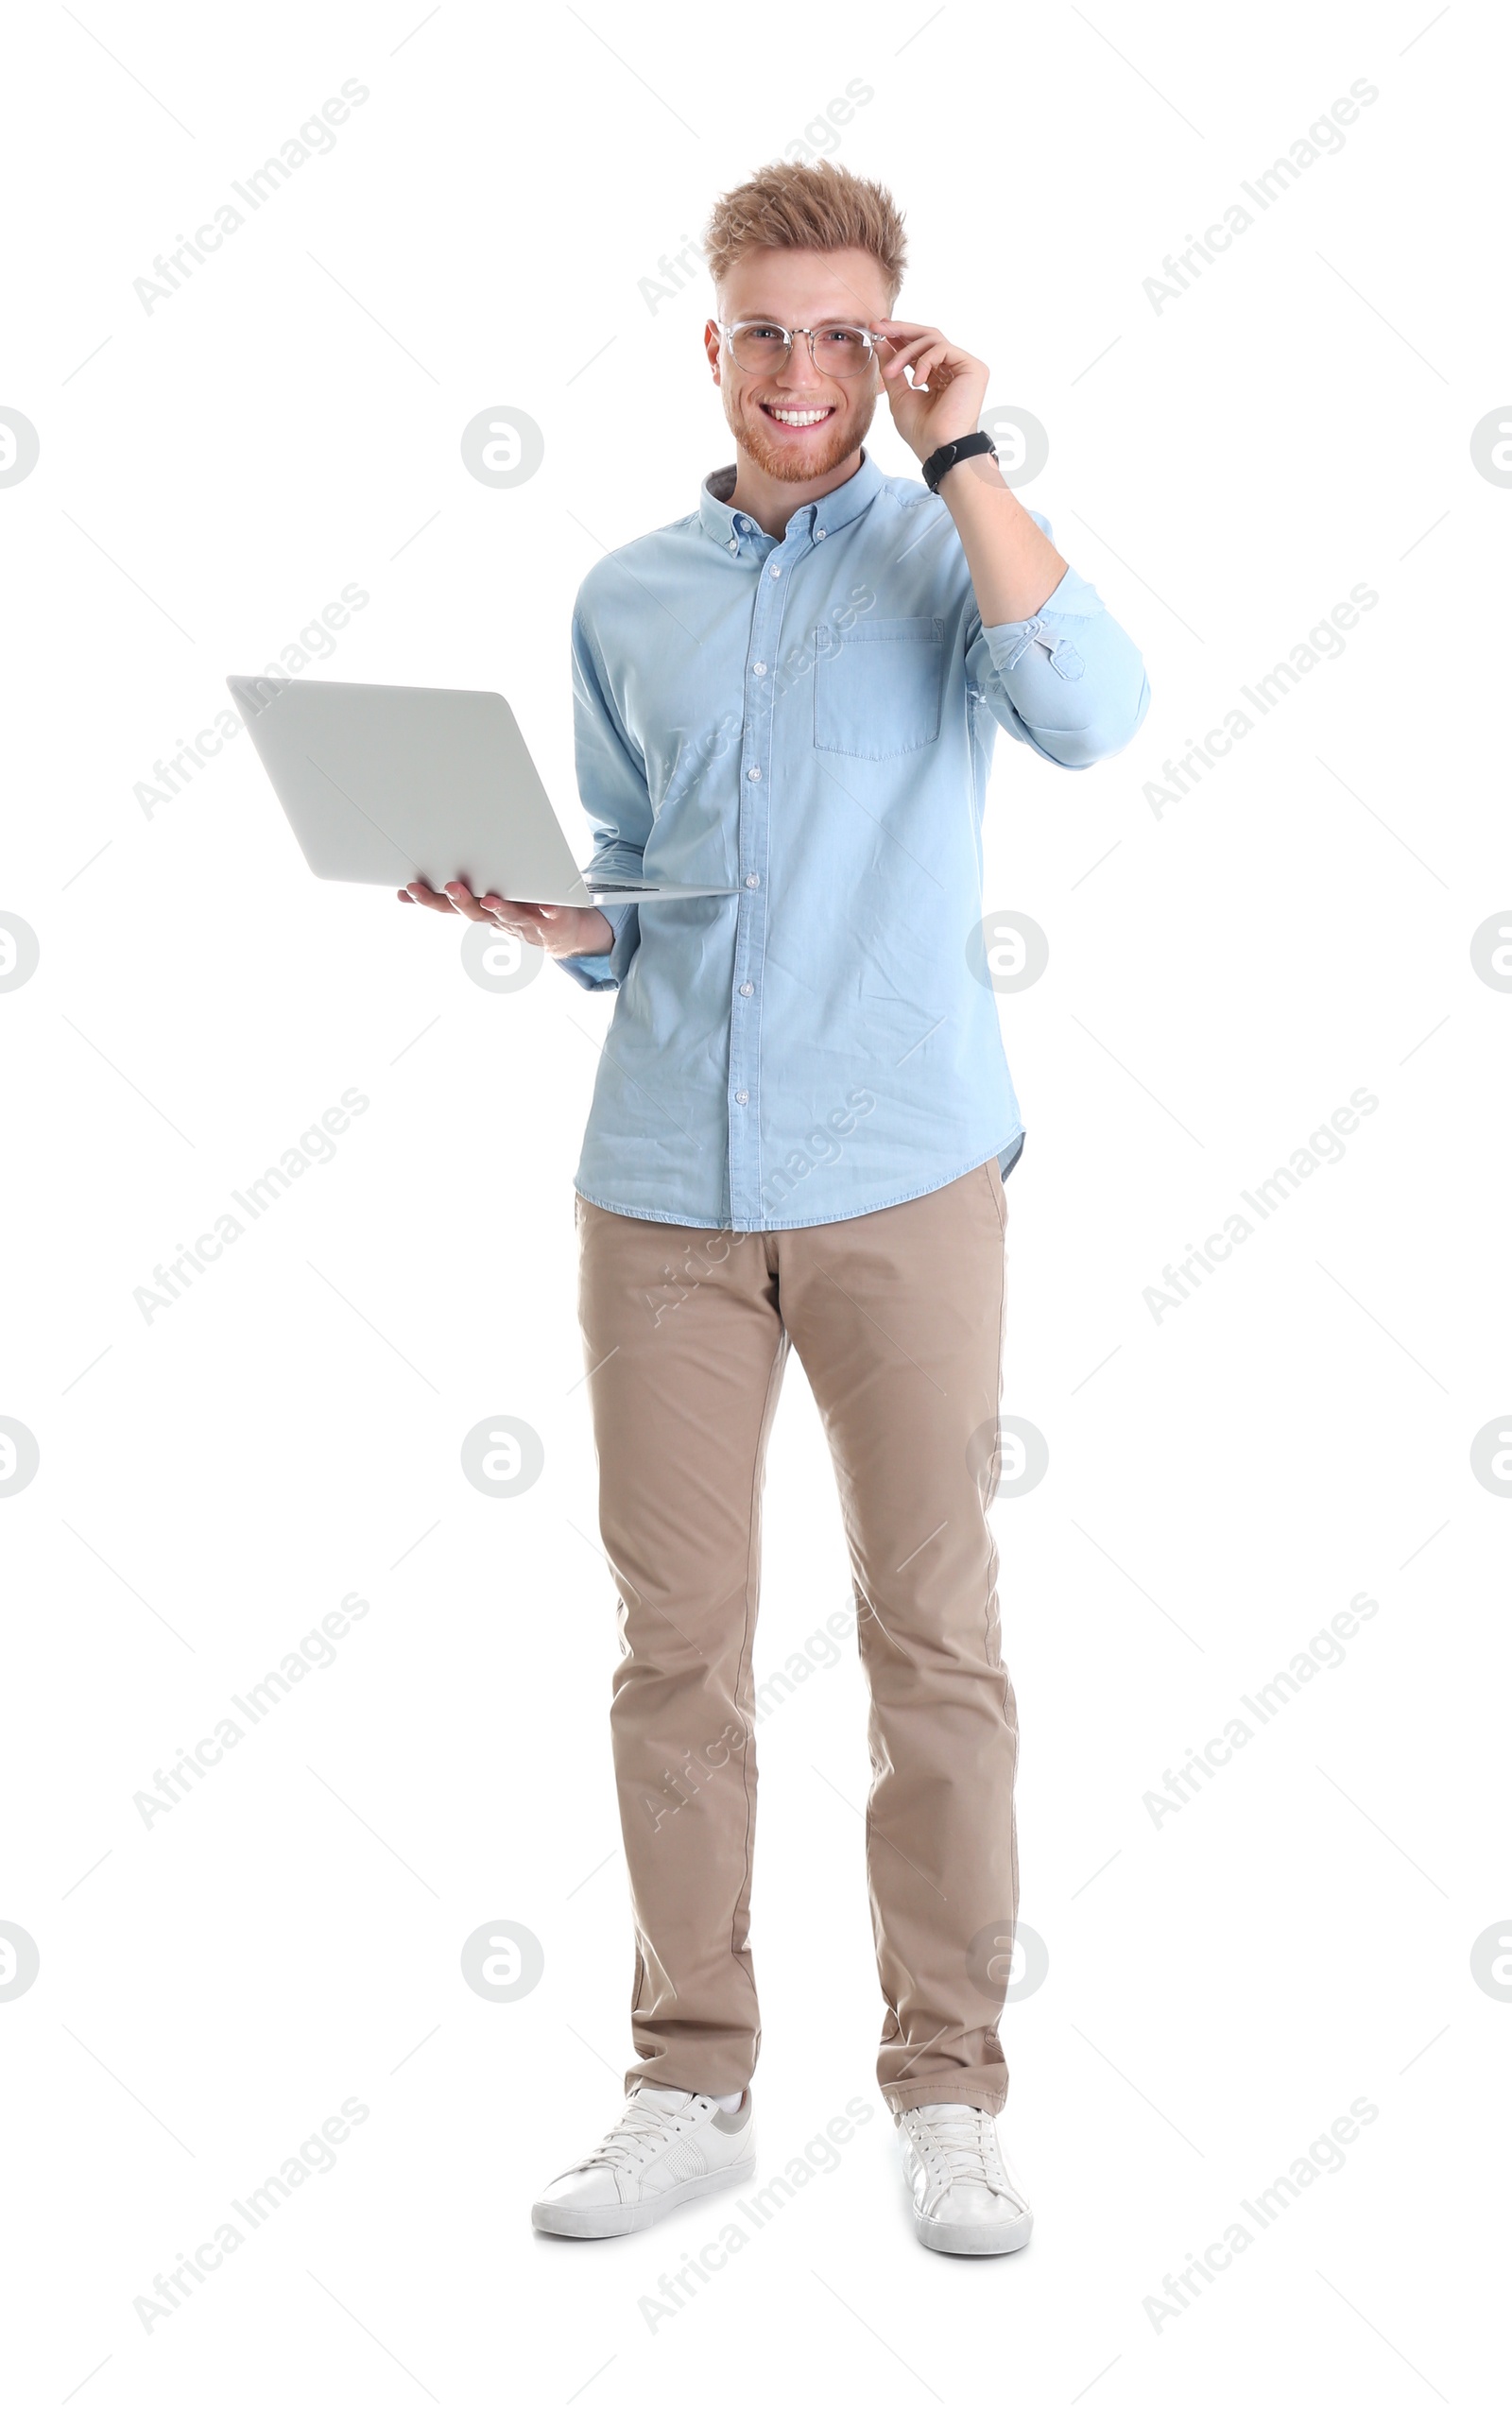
[799,417]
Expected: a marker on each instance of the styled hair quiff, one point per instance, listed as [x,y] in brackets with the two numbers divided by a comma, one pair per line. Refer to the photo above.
[797,206]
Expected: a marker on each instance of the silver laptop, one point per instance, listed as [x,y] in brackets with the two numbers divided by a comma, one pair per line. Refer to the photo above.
[382,785]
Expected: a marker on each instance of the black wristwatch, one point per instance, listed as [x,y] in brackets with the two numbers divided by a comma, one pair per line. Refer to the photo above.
[964,448]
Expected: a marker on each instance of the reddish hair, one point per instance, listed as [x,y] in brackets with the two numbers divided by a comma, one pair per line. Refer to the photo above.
[795,206]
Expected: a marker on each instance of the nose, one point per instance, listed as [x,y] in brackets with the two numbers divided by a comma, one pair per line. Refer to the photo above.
[800,374]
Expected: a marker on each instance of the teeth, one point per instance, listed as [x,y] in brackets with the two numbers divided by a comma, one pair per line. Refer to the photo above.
[799,417]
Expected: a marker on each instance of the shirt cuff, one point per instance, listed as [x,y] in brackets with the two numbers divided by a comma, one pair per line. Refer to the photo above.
[1073,599]
[607,971]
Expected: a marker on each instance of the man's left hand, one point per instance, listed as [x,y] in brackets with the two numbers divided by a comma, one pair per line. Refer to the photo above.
[950,386]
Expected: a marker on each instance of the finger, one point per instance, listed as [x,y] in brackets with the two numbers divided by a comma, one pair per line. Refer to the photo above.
[463,900]
[932,337]
[934,346]
[906,352]
[420,894]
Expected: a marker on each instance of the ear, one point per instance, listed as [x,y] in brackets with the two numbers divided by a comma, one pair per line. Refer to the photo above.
[712,342]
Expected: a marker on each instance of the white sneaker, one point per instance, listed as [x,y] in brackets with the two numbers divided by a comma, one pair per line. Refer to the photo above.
[668,2148]
[966,2197]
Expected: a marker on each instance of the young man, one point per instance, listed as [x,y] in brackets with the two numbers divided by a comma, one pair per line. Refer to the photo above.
[800,1130]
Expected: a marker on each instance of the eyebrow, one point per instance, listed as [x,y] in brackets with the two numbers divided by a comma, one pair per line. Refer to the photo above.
[775,318]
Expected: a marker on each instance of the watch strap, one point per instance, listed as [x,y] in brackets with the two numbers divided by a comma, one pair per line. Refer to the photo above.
[964,448]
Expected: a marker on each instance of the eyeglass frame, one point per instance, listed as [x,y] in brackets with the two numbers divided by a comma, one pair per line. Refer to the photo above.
[852,326]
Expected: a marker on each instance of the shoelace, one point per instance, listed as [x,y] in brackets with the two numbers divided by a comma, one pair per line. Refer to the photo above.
[644,2124]
[962,2145]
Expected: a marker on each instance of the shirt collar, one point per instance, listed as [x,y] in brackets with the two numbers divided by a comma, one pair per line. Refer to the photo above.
[731,529]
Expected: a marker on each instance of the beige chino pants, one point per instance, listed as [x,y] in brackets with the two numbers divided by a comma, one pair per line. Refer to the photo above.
[897,1318]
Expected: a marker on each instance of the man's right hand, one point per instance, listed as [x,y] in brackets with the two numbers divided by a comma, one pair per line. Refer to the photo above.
[561,929]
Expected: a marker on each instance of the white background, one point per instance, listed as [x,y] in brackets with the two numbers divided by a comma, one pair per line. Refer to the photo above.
[1220,1986]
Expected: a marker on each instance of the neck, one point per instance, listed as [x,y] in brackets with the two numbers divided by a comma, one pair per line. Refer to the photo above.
[771,501]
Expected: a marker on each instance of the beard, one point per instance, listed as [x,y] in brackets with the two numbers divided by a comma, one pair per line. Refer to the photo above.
[839,437]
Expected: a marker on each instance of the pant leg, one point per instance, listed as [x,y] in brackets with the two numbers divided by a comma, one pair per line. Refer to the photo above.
[685,1350]
[897,1317]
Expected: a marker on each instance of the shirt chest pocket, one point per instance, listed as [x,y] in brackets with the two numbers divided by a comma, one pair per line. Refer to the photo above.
[877,688]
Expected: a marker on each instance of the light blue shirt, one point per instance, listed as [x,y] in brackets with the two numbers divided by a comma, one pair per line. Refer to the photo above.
[812,722]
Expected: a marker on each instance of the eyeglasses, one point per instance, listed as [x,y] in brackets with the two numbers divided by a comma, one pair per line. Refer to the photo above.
[763,348]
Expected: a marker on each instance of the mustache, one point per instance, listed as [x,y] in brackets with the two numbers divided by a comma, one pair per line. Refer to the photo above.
[840,436]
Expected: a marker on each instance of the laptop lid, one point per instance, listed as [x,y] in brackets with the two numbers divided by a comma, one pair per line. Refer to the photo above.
[382,785]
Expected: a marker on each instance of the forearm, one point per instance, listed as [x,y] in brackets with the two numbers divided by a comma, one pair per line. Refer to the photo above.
[1015,568]
[593,931]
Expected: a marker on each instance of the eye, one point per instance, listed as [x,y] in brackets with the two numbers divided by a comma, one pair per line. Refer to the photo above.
[763,330]
[844,342]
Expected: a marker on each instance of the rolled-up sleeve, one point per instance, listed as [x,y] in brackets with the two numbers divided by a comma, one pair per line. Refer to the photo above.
[607,971]
[1070,682]
[612,788]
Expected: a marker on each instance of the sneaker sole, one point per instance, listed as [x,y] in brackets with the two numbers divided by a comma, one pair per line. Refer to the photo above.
[938,2236]
[629,2218]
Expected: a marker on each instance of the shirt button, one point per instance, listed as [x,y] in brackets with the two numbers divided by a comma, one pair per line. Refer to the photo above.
[741,1097]
[759,669]
[746,988]
[752,880]
[776,570]
[755,770]
[819,534]
[734,543]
